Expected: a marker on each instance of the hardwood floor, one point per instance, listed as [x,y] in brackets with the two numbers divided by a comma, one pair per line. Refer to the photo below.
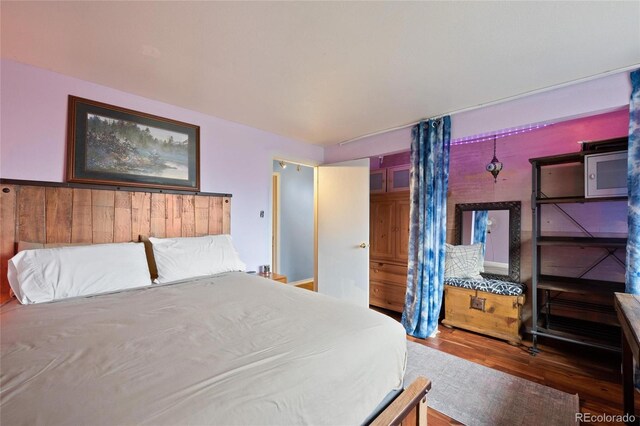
[592,374]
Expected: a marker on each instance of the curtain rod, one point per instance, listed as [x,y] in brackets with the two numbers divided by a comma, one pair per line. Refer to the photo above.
[499,101]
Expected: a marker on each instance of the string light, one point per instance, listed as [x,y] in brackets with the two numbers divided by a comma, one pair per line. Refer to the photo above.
[501,134]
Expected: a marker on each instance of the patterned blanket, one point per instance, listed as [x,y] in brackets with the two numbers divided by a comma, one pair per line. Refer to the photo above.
[490,286]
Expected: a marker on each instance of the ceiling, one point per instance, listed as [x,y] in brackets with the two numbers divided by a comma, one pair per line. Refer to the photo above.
[324,72]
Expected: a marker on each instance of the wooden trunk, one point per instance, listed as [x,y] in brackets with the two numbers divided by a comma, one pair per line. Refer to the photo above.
[492,314]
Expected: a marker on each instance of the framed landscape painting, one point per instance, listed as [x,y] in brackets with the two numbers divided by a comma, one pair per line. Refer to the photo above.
[111,145]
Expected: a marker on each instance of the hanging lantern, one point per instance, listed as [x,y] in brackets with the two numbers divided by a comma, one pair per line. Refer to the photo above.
[495,165]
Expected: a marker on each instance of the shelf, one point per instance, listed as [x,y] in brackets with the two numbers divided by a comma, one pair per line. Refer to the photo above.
[578,199]
[600,147]
[587,317]
[578,285]
[582,242]
[582,332]
[572,157]
[603,314]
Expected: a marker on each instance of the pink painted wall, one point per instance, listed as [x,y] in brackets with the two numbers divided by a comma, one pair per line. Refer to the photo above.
[470,183]
[235,159]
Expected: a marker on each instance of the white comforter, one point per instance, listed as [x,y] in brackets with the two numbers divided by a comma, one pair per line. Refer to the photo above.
[229,349]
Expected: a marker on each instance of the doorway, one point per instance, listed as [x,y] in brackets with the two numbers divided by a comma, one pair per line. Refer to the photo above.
[293,233]
[321,227]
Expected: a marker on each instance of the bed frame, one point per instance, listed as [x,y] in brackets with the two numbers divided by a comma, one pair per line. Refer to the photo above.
[48,212]
[409,408]
[54,213]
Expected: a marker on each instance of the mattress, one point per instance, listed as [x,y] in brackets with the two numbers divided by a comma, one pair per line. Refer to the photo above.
[229,349]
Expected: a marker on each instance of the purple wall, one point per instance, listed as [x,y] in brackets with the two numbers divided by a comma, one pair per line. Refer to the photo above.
[582,99]
[470,183]
[234,158]
[383,161]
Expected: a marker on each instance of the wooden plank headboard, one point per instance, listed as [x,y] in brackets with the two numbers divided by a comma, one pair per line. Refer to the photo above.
[45,212]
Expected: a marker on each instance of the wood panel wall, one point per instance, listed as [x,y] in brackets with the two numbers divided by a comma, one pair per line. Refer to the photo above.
[50,214]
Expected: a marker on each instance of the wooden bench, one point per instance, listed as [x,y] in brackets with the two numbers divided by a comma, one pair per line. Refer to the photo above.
[489,307]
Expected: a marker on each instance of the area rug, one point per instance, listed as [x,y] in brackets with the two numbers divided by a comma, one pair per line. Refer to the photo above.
[477,395]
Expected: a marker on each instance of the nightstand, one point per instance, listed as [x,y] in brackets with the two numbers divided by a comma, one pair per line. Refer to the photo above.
[275,277]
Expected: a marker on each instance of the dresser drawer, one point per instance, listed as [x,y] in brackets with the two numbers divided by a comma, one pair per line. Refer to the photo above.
[381,271]
[385,295]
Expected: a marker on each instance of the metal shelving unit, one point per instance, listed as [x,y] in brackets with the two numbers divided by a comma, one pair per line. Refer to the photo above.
[554,317]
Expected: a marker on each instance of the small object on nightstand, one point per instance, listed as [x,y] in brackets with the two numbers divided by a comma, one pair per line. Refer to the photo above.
[264,269]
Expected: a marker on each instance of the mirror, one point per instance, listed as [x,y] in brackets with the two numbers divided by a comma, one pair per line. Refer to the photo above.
[497,225]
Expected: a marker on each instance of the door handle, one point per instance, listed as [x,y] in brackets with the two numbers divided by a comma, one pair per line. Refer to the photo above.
[363,245]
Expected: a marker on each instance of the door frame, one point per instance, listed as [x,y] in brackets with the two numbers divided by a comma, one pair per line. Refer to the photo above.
[276,224]
[275,209]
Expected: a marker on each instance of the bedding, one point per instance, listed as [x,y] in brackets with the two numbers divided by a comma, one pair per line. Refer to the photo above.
[229,349]
[190,257]
[43,275]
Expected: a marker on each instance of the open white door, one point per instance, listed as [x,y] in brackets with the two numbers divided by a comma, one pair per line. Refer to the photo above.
[342,231]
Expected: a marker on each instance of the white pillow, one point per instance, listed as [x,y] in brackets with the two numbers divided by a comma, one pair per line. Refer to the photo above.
[463,261]
[44,275]
[181,258]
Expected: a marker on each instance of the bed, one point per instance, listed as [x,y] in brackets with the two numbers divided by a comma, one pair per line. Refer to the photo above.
[229,348]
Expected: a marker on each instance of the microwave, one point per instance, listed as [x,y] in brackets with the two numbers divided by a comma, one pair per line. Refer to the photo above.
[605,175]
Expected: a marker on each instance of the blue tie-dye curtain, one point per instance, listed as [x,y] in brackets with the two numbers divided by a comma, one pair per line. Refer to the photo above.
[427,225]
[480,219]
[633,242]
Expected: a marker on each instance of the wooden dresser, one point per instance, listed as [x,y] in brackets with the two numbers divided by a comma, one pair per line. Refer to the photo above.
[389,237]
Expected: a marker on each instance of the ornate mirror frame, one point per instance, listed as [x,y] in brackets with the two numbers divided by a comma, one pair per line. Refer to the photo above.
[514,208]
